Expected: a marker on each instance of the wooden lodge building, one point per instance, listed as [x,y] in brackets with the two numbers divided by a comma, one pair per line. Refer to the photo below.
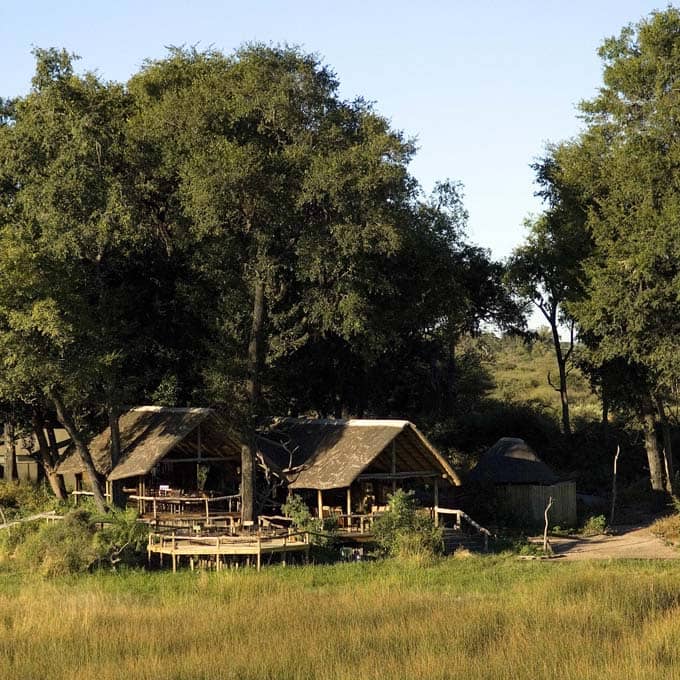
[184,464]
[173,460]
[349,467]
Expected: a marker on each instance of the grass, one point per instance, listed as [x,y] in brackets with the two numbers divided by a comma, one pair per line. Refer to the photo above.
[480,617]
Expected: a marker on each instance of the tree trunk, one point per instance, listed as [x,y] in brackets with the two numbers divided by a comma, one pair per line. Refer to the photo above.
[667,445]
[562,368]
[65,419]
[249,448]
[605,416]
[47,458]
[10,453]
[114,427]
[652,445]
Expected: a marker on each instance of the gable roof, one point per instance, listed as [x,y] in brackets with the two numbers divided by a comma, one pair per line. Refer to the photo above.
[512,461]
[149,433]
[331,454]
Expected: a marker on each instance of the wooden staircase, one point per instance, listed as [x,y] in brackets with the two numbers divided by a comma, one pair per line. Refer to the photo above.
[474,538]
[454,539]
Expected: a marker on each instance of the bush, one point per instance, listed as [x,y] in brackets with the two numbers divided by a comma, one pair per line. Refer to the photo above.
[325,546]
[404,533]
[594,526]
[19,499]
[59,548]
[77,543]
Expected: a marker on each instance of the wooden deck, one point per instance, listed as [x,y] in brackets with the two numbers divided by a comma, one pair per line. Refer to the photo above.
[225,550]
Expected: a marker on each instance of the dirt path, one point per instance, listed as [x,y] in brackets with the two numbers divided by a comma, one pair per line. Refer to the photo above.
[629,542]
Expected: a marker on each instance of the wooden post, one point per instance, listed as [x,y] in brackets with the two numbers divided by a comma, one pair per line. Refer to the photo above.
[319,498]
[259,552]
[546,543]
[207,510]
[140,493]
[285,544]
[349,504]
[436,501]
[155,513]
[616,460]
[394,465]
[79,487]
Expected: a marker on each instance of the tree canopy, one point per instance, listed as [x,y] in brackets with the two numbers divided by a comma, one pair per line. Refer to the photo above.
[224,229]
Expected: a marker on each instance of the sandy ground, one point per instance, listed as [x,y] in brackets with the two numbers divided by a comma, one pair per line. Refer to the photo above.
[629,542]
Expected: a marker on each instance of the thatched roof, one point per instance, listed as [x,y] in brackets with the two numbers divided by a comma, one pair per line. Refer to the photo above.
[149,433]
[331,454]
[512,461]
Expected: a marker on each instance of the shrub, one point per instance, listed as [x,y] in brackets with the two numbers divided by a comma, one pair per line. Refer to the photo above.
[18,499]
[78,542]
[121,539]
[405,533]
[59,548]
[325,546]
[594,526]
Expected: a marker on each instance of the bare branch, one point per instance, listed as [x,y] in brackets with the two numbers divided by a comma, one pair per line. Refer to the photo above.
[550,382]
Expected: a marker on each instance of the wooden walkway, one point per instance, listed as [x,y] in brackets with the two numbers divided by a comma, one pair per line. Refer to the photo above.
[224,549]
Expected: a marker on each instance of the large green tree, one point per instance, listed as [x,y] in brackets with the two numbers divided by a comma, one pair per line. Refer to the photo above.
[626,167]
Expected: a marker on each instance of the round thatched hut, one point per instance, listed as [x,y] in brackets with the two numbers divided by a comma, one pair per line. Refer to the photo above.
[523,484]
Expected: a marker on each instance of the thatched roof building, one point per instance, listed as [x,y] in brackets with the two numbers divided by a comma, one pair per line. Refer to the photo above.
[332,454]
[150,433]
[512,461]
[523,485]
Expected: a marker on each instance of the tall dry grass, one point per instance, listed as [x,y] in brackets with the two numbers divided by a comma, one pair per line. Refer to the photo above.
[474,618]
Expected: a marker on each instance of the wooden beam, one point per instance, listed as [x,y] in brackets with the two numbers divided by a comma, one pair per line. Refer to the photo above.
[203,459]
[319,498]
[416,474]
[349,501]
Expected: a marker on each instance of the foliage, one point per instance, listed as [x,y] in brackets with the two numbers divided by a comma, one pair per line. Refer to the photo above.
[121,538]
[19,499]
[668,528]
[297,510]
[622,173]
[76,543]
[405,533]
[322,532]
[59,548]
[594,526]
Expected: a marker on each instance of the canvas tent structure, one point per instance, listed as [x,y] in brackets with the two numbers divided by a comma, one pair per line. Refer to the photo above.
[183,452]
[26,450]
[353,464]
[523,484]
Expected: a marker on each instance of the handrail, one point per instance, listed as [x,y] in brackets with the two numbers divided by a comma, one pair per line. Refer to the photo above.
[43,515]
[460,515]
[214,540]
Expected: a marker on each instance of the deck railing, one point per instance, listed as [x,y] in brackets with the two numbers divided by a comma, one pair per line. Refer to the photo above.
[460,517]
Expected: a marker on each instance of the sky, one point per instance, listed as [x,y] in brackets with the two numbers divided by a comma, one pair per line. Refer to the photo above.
[481,86]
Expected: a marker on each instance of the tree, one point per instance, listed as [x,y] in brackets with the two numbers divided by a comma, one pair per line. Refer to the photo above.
[625,165]
[76,268]
[274,171]
[546,271]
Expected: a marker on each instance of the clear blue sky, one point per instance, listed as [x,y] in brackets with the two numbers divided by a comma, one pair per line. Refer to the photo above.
[482,85]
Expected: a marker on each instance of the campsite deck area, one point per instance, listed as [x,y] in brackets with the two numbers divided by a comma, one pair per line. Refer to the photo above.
[224,550]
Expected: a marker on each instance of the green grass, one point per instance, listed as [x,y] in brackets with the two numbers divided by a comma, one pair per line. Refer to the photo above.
[490,617]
